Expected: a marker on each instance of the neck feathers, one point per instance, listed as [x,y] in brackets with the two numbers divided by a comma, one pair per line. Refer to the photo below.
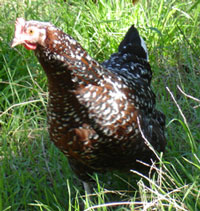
[65,60]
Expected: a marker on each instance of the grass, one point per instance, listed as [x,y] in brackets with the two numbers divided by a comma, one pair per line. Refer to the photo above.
[34,174]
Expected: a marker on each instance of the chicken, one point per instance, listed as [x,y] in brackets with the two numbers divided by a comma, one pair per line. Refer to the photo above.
[98,114]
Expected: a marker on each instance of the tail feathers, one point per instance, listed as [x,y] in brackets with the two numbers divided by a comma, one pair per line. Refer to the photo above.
[131,60]
[134,44]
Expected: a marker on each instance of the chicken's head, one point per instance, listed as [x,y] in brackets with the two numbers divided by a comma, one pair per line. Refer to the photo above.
[30,33]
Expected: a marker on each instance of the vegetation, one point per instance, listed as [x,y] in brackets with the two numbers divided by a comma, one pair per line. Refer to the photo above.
[34,174]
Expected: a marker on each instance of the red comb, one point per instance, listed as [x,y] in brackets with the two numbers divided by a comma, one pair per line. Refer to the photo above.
[19,25]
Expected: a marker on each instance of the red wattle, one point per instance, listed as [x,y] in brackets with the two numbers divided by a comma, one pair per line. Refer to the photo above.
[30,46]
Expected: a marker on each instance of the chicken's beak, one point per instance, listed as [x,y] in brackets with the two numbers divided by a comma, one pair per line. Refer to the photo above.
[16,42]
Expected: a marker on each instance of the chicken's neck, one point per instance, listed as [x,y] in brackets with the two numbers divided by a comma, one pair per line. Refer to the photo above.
[68,66]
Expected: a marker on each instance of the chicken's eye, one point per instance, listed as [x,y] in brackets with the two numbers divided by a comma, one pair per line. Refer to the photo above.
[31,31]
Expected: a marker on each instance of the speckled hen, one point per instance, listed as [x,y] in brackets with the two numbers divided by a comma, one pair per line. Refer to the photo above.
[96,112]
